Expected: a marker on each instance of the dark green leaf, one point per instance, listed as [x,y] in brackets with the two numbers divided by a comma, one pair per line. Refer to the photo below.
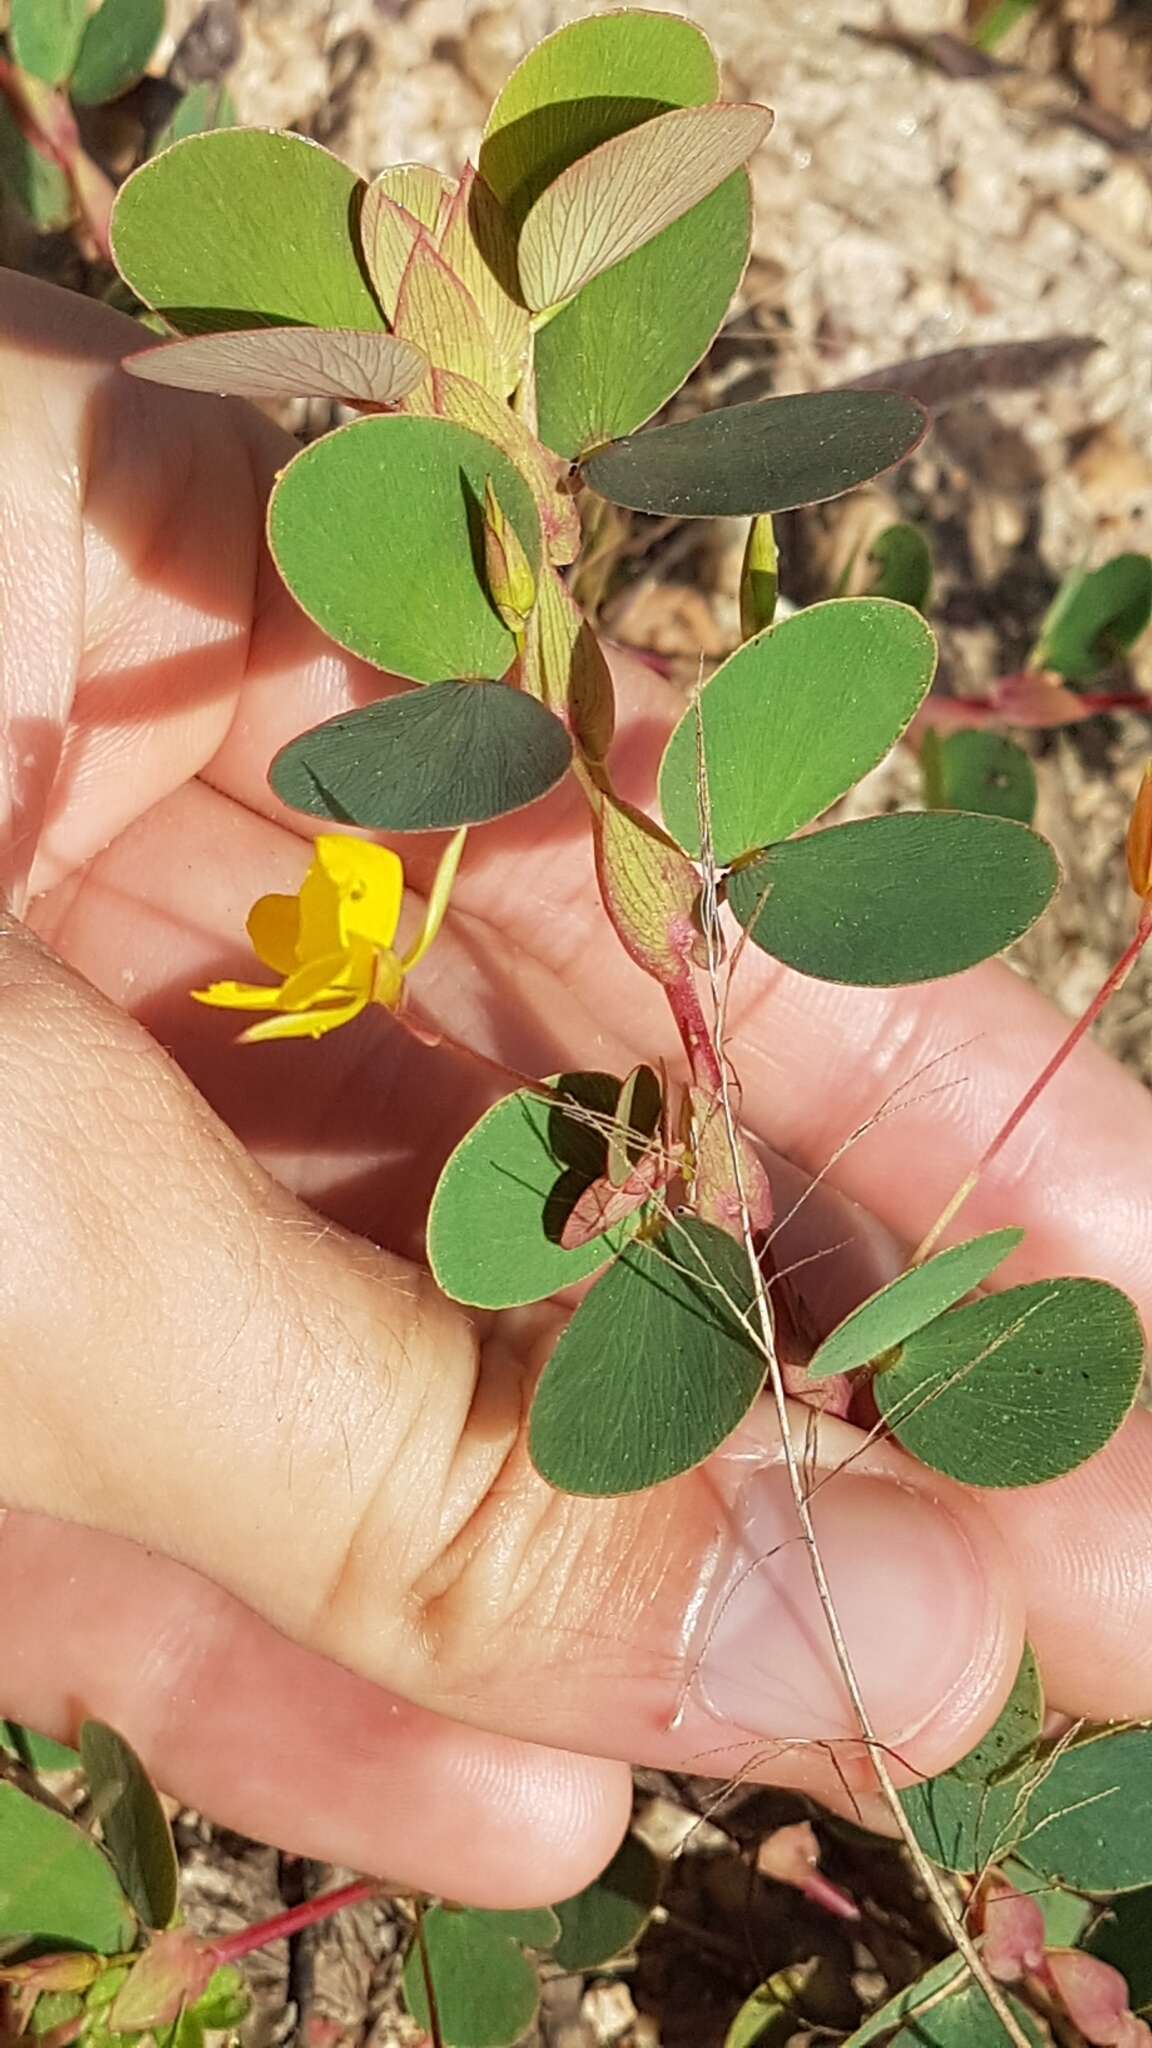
[978,771]
[486,1990]
[903,566]
[376,529]
[1090,1816]
[1019,1387]
[504,1196]
[202,109]
[911,1300]
[133,1822]
[970,1816]
[32,180]
[36,1752]
[535,1926]
[426,761]
[964,2019]
[655,1368]
[45,36]
[114,52]
[1096,617]
[242,228]
[792,720]
[55,1884]
[766,456]
[887,901]
[608,1917]
[1122,1936]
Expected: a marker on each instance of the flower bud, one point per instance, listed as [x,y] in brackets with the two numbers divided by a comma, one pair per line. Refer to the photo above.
[1139,843]
[511,584]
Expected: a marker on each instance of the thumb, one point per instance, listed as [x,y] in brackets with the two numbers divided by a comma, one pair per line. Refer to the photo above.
[190,1358]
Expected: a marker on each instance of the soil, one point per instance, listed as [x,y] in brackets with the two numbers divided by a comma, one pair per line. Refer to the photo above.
[908,202]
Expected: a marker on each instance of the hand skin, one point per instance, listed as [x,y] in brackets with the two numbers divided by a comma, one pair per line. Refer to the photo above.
[268,1504]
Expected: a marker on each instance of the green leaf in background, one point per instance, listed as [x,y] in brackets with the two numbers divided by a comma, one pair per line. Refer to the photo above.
[376,530]
[534,1926]
[55,1884]
[996,20]
[972,1815]
[45,36]
[903,566]
[773,2013]
[243,228]
[486,1989]
[910,1301]
[655,1368]
[115,49]
[1019,1387]
[613,357]
[133,1823]
[1096,616]
[978,771]
[1090,1816]
[887,901]
[1122,1936]
[36,184]
[614,201]
[766,456]
[503,1197]
[586,83]
[202,109]
[426,761]
[792,720]
[287,362]
[36,1752]
[608,1917]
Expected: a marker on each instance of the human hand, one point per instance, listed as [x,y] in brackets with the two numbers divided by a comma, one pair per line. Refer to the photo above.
[256,1469]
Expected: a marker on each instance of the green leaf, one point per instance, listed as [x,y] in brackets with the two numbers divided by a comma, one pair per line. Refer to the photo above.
[486,1989]
[202,109]
[503,1198]
[581,86]
[1090,1817]
[534,1926]
[887,901]
[1019,1387]
[287,362]
[793,719]
[55,1884]
[612,202]
[907,2003]
[243,228]
[226,2001]
[36,1752]
[1123,1937]
[655,1368]
[45,36]
[766,456]
[608,1917]
[910,1301]
[978,771]
[928,2015]
[772,2014]
[613,357]
[115,49]
[1065,1914]
[378,532]
[133,1823]
[970,1816]
[32,180]
[903,566]
[426,761]
[1097,616]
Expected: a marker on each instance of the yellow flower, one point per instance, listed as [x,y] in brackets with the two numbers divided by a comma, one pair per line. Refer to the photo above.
[333,942]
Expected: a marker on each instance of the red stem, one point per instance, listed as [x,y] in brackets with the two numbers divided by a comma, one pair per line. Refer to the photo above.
[1092,701]
[247,1939]
[692,1025]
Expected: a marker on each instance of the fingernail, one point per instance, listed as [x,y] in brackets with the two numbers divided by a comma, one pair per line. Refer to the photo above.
[908,1589]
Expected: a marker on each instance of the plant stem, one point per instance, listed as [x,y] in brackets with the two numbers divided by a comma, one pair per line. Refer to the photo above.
[429,1986]
[231,1947]
[1109,987]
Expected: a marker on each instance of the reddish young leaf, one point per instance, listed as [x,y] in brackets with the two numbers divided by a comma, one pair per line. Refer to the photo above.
[564,666]
[288,362]
[602,1205]
[650,889]
[477,243]
[1095,1997]
[438,313]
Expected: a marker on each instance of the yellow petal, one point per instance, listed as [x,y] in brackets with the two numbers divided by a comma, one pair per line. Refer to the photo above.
[438,900]
[369,884]
[387,979]
[274,928]
[330,977]
[237,995]
[305,1023]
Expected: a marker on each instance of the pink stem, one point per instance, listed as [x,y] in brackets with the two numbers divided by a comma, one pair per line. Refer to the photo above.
[247,1939]
[692,1025]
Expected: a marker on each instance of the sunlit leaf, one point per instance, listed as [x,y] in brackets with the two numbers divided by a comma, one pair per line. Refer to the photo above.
[36,1752]
[478,244]
[978,771]
[116,46]
[792,720]
[505,1194]
[765,456]
[427,760]
[388,235]
[376,529]
[972,1815]
[909,1302]
[612,202]
[243,228]
[887,901]
[903,566]
[608,1917]
[55,1884]
[1019,1387]
[45,36]
[1098,614]
[37,184]
[133,1823]
[564,666]
[655,1368]
[446,396]
[203,108]
[1090,1814]
[287,362]
[434,310]
[485,1988]
[423,192]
